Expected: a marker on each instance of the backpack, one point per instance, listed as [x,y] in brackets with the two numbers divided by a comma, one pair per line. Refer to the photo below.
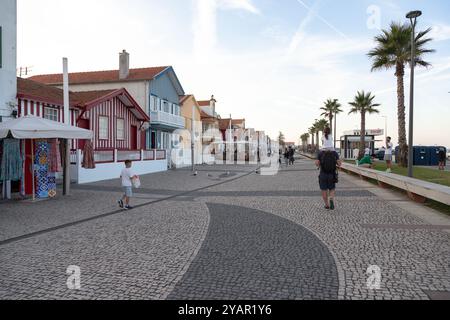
[329,162]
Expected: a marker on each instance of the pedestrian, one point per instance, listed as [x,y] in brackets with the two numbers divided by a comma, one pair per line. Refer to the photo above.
[442,159]
[280,155]
[327,140]
[328,161]
[291,155]
[286,156]
[388,154]
[127,176]
[367,161]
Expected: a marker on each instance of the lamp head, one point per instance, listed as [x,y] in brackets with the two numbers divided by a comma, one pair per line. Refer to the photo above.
[413,14]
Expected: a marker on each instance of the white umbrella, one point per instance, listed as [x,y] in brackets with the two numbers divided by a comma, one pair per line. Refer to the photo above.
[32,127]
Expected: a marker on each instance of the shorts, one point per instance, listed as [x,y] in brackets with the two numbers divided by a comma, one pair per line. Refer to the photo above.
[128,191]
[327,181]
[388,157]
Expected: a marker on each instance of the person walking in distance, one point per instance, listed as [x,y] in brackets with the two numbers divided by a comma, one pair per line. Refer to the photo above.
[328,161]
[388,154]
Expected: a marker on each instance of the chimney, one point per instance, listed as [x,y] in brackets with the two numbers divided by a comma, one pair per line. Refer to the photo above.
[124,65]
[212,104]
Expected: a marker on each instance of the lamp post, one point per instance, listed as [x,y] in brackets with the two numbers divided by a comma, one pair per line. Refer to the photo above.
[412,16]
[385,127]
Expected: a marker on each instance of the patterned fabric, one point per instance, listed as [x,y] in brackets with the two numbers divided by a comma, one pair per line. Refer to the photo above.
[88,156]
[41,169]
[12,161]
[51,182]
[55,156]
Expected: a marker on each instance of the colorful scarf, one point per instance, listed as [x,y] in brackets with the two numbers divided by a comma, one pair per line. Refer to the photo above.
[12,161]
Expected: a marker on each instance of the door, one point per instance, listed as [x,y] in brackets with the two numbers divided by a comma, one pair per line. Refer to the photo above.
[143,140]
[84,124]
[133,138]
[153,140]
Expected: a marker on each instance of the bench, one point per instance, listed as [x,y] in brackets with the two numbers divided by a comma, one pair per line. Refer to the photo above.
[417,190]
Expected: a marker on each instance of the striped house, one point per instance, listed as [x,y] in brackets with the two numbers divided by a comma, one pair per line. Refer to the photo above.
[113,115]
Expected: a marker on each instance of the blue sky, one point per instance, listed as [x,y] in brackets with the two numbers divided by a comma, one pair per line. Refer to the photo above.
[271,61]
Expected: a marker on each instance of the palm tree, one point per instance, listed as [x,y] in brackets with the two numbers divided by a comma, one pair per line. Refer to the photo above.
[281,139]
[393,50]
[363,104]
[304,137]
[321,125]
[312,132]
[331,109]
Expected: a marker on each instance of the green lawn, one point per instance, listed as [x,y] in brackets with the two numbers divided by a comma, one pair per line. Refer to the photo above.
[431,175]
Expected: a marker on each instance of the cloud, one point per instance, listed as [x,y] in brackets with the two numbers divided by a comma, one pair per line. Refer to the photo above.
[245,5]
[440,32]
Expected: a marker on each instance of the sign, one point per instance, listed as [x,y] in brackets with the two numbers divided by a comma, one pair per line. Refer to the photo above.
[369,132]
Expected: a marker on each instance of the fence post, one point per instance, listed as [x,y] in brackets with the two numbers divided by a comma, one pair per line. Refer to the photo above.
[115,155]
[142,155]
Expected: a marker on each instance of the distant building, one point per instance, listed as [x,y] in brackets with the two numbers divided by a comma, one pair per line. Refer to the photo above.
[350,142]
[8,59]
[211,137]
[188,104]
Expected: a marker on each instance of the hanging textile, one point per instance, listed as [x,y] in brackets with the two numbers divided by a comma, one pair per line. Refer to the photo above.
[54,156]
[41,169]
[88,156]
[12,161]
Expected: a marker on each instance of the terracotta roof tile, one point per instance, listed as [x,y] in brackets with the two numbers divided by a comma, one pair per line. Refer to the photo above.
[100,76]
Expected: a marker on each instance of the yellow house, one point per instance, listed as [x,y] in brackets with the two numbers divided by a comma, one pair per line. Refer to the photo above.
[191,109]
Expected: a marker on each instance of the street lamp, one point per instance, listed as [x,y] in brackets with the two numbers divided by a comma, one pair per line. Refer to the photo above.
[385,127]
[412,16]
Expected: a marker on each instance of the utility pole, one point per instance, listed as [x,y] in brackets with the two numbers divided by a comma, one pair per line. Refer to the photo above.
[66,183]
[193,139]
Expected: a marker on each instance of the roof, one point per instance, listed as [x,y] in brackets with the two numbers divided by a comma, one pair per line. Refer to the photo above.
[224,124]
[40,92]
[87,96]
[33,90]
[205,103]
[100,76]
[89,99]
[184,98]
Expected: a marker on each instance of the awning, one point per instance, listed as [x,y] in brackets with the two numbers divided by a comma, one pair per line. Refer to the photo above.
[32,127]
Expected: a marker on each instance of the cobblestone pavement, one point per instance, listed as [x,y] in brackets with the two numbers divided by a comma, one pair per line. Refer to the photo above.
[227,233]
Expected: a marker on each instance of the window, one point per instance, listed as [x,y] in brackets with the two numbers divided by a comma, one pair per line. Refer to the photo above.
[103,128]
[154,103]
[120,129]
[51,114]
[166,107]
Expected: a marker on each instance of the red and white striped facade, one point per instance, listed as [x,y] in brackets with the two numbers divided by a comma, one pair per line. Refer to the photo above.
[112,107]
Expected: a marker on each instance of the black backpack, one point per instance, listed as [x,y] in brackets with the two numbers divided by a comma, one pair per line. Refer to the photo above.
[328,162]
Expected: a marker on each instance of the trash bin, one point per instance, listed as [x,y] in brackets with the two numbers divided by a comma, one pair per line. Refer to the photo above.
[421,156]
[434,155]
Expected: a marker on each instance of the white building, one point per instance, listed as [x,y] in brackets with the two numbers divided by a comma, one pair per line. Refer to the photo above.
[8,58]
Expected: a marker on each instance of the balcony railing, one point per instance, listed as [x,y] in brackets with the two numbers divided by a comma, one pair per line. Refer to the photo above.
[111,156]
[167,119]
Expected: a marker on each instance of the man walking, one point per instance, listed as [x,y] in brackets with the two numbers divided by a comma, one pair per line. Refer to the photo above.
[328,162]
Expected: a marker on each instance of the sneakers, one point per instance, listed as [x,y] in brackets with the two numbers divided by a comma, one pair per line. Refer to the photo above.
[332,207]
[128,207]
[388,171]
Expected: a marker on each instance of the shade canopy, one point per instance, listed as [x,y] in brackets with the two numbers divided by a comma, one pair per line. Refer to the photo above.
[32,127]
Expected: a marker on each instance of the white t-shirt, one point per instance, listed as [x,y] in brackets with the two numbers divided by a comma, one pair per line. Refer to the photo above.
[389,149]
[126,175]
[327,144]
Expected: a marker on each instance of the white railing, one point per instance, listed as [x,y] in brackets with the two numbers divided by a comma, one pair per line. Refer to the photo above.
[160,117]
[124,155]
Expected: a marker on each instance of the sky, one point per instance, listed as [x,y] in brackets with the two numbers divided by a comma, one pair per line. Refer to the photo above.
[272,62]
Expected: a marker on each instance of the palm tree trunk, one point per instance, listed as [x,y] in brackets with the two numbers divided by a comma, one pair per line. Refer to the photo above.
[362,142]
[400,72]
[335,130]
[317,140]
[331,122]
